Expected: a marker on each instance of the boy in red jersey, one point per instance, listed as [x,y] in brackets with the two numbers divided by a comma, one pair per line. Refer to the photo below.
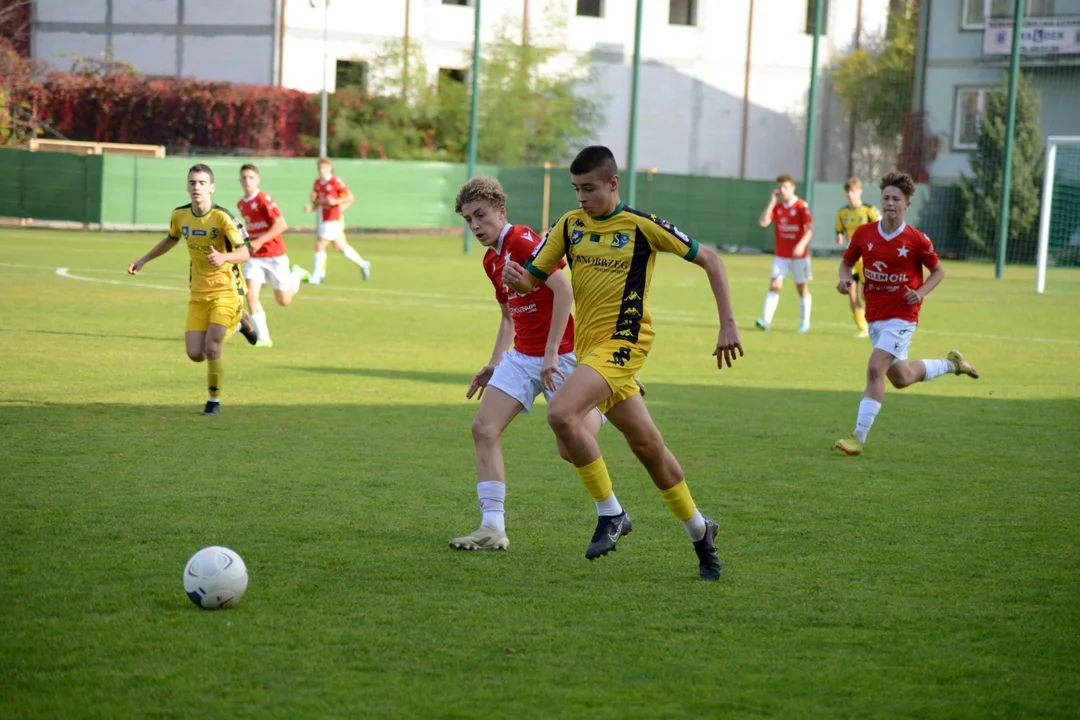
[894,255]
[331,196]
[793,226]
[268,263]
[539,325]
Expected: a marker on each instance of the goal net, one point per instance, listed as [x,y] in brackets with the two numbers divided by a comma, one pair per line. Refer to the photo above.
[1059,216]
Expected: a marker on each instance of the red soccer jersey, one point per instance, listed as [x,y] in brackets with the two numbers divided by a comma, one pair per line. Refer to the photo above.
[259,212]
[790,223]
[332,188]
[891,264]
[531,312]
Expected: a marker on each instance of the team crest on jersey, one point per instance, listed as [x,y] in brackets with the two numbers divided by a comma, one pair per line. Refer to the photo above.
[576,236]
[185,231]
[620,240]
[213,233]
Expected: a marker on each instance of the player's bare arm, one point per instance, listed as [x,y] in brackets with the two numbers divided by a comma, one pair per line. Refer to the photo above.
[766,215]
[238,256]
[515,275]
[562,300]
[846,278]
[163,246]
[840,238]
[503,340]
[800,246]
[914,297]
[728,342]
[275,231]
[313,202]
[344,202]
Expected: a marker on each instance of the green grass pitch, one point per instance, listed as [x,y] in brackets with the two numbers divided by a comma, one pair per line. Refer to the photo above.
[937,575]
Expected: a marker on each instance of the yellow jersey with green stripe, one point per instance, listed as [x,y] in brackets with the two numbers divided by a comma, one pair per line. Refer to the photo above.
[216,229]
[611,261]
[849,218]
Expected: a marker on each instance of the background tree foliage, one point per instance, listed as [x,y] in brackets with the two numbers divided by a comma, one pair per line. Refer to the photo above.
[537,101]
[981,193]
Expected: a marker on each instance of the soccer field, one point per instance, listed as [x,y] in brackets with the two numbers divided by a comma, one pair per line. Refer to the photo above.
[936,575]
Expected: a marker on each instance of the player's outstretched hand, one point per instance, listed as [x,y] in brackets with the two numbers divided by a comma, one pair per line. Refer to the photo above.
[912,297]
[844,286]
[480,381]
[215,258]
[549,370]
[135,267]
[308,208]
[512,273]
[726,345]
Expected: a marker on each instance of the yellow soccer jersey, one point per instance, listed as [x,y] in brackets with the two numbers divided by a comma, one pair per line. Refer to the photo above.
[849,218]
[216,229]
[611,263]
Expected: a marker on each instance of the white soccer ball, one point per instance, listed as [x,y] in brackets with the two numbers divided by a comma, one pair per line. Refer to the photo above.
[215,577]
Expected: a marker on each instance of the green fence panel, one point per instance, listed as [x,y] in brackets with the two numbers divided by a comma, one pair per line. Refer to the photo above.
[51,186]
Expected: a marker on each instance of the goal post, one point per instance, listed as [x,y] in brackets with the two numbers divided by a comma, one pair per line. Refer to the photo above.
[1061,181]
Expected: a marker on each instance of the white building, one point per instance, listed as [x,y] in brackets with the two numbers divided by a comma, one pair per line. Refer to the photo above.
[723,90]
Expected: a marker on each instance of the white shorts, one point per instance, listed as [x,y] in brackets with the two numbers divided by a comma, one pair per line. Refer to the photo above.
[892,336]
[330,230]
[798,267]
[274,270]
[518,376]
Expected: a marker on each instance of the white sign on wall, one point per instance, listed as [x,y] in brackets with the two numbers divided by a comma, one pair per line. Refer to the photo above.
[1038,36]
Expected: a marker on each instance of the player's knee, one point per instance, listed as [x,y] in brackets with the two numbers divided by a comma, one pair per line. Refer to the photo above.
[212,351]
[484,432]
[195,356]
[560,419]
[284,299]
[647,448]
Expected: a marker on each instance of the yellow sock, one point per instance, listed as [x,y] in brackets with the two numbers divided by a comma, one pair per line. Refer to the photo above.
[679,501]
[860,319]
[215,372]
[596,480]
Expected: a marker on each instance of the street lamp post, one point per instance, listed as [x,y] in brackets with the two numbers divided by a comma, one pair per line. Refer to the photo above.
[325,60]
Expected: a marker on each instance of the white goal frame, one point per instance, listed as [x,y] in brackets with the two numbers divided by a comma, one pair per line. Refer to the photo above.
[1052,143]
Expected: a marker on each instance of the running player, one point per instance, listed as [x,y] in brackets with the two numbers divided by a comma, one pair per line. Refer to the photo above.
[848,218]
[793,227]
[894,255]
[612,250]
[268,262]
[539,325]
[332,197]
[217,246]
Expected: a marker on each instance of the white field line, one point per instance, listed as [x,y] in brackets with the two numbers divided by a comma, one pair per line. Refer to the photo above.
[478,303]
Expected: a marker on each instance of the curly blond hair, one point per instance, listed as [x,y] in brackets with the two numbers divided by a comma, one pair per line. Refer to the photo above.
[480,187]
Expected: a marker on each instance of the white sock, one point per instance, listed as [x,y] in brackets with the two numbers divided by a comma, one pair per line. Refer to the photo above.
[320,265]
[772,299]
[804,309]
[492,496]
[259,321]
[610,506]
[695,526]
[937,368]
[868,410]
[213,400]
[297,278]
[352,255]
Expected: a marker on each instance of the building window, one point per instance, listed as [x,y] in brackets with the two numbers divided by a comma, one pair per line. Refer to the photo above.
[682,12]
[351,73]
[970,104]
[975,12]
[811,10]
[590,8]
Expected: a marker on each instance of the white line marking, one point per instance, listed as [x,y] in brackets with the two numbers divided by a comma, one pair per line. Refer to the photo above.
[703,317]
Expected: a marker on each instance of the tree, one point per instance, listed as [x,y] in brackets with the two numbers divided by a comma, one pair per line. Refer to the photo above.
[874,83]
[981,193]
[536,102]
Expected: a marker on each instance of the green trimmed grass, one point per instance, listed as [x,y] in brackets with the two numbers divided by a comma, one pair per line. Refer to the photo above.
[937,575]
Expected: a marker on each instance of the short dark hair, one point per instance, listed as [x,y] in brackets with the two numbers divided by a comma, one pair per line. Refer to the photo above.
[783,178]
[901,181]
[595,157]
[249,166]
[201,168]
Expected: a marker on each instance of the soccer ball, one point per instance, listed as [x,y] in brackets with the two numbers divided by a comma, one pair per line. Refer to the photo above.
[215,577]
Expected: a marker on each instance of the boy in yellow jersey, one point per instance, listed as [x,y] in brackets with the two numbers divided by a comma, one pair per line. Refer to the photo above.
[849,217]
[611,250]
[217,246]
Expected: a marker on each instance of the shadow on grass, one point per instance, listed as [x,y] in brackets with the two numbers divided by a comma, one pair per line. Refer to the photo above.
[104,336]
[442,378]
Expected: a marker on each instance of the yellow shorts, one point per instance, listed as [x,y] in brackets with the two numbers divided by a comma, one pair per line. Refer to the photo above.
[217,311]
[618,362]
[856,270]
